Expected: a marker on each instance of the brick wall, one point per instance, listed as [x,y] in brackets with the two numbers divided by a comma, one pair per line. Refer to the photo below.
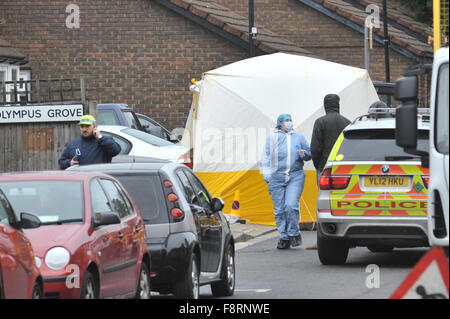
[144,55]
[321,35]
[137,52]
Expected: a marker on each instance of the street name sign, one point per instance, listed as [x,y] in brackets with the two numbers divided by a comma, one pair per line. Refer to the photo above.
[41,113]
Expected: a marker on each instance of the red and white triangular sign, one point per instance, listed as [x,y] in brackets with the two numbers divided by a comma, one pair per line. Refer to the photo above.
[428,279]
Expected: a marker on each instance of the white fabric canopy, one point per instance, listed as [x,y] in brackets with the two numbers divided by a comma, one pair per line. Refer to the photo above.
[238,105]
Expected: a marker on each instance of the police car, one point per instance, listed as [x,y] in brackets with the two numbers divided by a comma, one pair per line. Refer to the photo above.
[372,193]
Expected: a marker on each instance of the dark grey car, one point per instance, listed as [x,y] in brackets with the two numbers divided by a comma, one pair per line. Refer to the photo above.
[188,236]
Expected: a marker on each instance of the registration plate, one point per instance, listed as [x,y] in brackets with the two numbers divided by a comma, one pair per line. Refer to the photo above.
[386,181]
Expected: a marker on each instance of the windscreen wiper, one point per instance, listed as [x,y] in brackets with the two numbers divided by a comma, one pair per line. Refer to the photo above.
[63,221]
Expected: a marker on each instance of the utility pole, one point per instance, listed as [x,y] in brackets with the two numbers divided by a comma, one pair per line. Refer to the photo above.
[386,49]
[251,22]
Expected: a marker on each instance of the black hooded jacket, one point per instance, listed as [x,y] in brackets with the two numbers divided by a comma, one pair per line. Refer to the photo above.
[326,131]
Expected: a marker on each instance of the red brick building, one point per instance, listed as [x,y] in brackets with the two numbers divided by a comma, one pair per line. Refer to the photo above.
[145,52]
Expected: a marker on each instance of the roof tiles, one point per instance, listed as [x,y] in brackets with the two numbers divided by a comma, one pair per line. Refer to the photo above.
[398,34]
[237,25]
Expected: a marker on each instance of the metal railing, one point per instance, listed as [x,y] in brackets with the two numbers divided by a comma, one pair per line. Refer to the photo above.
[42,91]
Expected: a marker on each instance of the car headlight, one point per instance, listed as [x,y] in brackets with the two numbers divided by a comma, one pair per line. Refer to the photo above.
[57,258]
[38,261]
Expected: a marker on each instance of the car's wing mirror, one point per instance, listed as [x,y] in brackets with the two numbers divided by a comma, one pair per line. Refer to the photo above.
[29,221]
[173,138]
[217,204]
[102,219]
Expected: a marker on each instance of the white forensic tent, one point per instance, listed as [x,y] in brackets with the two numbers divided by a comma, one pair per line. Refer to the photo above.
[235,108]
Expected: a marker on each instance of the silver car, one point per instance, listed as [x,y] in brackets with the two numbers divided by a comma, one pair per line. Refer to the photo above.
[372,193]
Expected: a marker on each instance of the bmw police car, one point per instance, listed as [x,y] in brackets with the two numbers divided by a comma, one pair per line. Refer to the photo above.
[372,193]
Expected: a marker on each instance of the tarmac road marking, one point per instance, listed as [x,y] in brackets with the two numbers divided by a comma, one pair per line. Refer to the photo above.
[253,290]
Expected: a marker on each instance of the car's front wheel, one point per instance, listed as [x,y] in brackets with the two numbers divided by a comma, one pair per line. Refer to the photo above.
[225,287]
[89,288]
[331,251]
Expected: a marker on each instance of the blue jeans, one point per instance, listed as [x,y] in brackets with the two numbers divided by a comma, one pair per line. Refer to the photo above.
[285,198]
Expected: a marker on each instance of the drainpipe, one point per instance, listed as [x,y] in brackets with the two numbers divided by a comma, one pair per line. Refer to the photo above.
[251,22]
[386,49]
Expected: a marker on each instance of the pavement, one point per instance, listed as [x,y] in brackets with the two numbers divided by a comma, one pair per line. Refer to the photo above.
[246,234]
[247,231]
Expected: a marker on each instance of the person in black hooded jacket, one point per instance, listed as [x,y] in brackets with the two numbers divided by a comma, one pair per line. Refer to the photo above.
[326,131]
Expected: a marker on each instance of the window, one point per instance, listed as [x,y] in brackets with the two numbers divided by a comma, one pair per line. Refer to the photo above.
[151,124]
[99,201]
[148,195]
[119,201]
[441,117]
[187,188]
[51,201]
[107,117]
[144,122]
[8,73]
[148,138]
[3,213]
[375,145]
[203,196]
[24,85]
[3,78]
[124,144]
[131,120]
[14,75]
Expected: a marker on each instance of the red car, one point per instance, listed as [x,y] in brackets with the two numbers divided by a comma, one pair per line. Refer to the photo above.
[19,275]
[91,240]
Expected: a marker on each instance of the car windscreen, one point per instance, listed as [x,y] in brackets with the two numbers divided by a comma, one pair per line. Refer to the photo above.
[378,145]
[54,202]
[146,191]
[146,137]
[3,213]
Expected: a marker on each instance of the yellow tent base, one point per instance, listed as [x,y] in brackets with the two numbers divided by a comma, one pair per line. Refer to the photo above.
[255,203]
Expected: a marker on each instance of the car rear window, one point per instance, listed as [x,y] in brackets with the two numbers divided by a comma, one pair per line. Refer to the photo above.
[148,138]
[378,145]
[107,117]
[146,190]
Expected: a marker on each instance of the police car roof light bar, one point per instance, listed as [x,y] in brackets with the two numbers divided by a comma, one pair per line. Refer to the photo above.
[375,113]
